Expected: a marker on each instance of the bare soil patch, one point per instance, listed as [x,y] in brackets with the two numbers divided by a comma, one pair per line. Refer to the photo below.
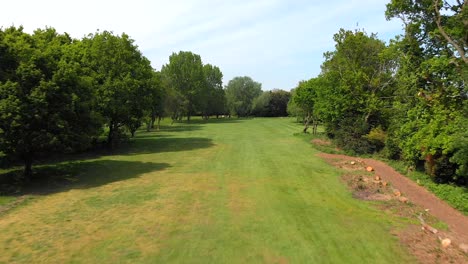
[374,180]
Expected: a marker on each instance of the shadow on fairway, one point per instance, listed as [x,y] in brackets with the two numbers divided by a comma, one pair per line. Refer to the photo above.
[148,145]
[76,175]
[194,122]
[179,128]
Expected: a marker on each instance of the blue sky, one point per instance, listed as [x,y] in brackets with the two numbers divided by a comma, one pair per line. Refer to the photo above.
[277,43]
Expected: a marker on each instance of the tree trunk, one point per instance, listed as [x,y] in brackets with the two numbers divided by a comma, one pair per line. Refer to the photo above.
[148,126]
[27,168]
[153,119]
[306,123]
[159,123]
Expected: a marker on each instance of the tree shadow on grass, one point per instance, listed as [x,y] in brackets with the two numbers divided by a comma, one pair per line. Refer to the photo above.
[75,175]
[180,128]
[195,122]
[148,145]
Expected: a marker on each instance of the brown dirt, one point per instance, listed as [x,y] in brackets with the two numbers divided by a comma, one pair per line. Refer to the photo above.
[424,245]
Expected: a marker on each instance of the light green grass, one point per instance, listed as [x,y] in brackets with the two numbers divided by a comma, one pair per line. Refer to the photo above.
[229,191]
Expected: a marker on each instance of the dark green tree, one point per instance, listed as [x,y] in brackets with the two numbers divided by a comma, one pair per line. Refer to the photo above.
[45,105]
[120,77]
[278,103]
[156,96]
[214,94]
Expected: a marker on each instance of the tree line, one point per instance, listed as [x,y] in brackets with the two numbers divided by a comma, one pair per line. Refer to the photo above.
[407,99]
[64,95]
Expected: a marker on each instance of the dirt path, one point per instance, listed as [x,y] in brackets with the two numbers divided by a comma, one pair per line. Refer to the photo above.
[457,222]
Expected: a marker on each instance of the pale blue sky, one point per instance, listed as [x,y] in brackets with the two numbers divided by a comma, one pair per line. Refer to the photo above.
[277,43]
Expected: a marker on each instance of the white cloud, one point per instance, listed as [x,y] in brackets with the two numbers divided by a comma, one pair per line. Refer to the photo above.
[277,42]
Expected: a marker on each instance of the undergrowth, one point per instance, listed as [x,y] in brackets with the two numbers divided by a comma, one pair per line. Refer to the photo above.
[456,196]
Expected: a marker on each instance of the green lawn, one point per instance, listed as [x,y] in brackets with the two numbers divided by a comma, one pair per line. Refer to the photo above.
[228,191]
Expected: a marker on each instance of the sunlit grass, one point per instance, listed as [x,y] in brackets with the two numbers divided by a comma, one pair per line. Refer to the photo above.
[222,191]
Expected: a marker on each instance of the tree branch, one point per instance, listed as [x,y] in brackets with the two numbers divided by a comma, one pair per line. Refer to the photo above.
[460,50]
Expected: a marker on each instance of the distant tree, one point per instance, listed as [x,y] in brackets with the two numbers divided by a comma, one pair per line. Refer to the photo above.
[120,76]
[175,104]
[295,110]
[240,93]
[214,98]
[45,105]
[156,96]
[261,104]
[184,73]
[278,102]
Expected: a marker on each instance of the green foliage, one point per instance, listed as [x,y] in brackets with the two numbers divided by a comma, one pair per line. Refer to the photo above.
[121,77]
[305,102]
[186,75]
[156,97]
[240,93]
[354,79]
[278,103]
[192,87]
[430,103]
[295,110]
[214,98]
[45,105]
[260,105]
[456,196]
[271,103]
[377,137]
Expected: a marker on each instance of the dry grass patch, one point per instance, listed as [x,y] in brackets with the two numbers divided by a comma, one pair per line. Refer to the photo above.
[80,223]
[238,203]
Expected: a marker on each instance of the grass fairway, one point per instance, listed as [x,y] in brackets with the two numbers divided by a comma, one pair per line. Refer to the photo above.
[228,191]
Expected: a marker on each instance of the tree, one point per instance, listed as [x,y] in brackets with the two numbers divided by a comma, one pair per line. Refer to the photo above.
[185,73]
[214,98]
[430,106]
[156,96]
[120,76]
[271,103]
[45,105]
[294,109]
[260,105]
[240,93]
[305,99]
[359,73]
[278,102]
[435,22]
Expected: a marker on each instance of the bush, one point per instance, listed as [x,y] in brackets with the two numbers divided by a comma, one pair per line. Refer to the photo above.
[456,196]
[391,149]
[350,136]
[377,137]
